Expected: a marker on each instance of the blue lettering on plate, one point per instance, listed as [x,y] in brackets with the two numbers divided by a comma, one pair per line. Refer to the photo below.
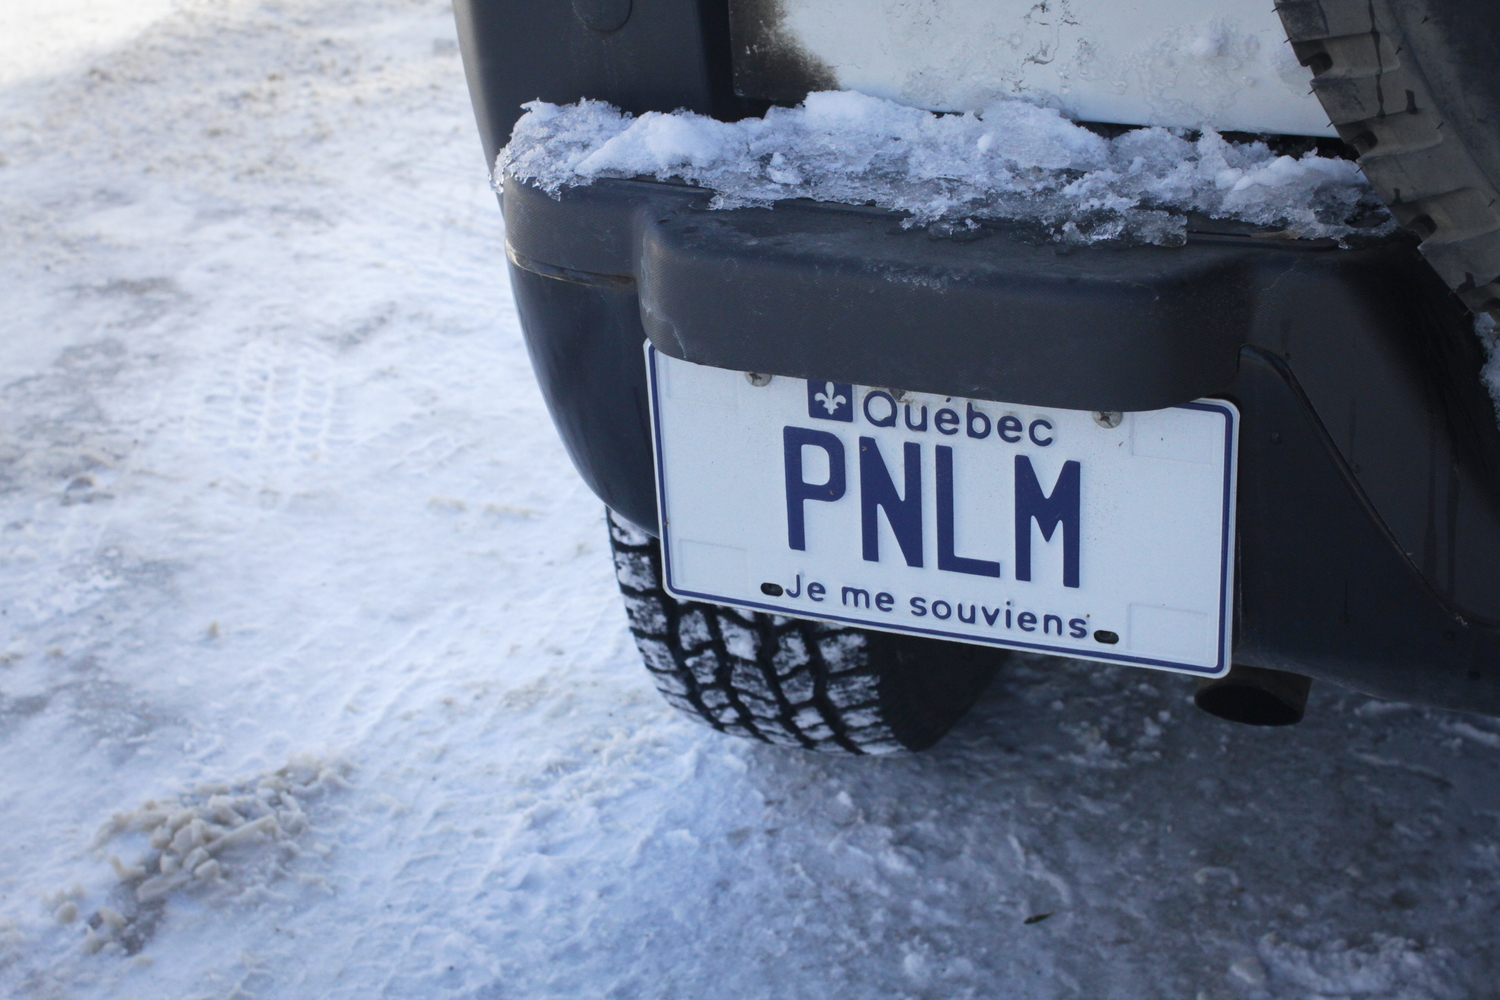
[798,489]
[947,559]
[877,490]
[830,401]
[1060,508]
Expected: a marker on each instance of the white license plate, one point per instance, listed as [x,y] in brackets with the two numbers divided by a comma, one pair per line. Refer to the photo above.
[1019,526]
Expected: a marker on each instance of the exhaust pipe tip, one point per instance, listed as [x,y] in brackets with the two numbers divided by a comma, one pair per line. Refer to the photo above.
[1255,696]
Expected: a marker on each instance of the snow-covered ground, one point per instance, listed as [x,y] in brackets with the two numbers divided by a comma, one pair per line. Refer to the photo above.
[288,546]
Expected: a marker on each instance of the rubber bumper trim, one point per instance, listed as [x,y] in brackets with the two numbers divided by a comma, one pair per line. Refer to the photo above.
[787,291]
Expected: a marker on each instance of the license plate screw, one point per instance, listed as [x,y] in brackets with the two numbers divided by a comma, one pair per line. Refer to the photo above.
[757,379]
[1108,418]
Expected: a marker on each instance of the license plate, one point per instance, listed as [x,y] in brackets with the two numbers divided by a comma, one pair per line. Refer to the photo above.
[1102,536]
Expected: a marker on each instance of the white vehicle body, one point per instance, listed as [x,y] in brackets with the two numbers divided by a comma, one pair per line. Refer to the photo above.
[1223,64]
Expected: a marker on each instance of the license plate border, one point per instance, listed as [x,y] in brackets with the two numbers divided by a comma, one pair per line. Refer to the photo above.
[1226,556]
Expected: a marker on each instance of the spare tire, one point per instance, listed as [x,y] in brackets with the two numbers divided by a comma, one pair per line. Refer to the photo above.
[1414,87]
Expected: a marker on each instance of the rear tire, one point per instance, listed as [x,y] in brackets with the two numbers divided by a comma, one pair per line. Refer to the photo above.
[1414,87]
[791,682]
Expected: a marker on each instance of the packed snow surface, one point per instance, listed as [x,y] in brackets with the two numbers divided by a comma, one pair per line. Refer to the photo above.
[1014,160]
[289,546]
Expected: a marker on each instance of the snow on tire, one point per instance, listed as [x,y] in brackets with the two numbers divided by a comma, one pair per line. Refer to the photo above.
[788,681]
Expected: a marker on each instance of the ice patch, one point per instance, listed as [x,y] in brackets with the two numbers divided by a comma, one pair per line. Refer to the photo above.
[1014,160]
[220,841]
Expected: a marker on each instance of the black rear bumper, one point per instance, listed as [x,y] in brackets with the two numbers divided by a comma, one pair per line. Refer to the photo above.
[1369,479]
[1369,521]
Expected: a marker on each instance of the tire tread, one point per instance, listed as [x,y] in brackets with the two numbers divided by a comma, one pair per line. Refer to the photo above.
[1381,103]
[790,681]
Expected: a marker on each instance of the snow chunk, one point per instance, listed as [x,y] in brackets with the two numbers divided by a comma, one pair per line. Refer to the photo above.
[224,840]
[659,142]
[1014,160]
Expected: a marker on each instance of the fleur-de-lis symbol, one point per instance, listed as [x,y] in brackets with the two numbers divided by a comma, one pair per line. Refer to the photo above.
[831,398]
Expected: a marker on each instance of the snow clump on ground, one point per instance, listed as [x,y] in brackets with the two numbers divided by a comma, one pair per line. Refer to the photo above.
[225,841]
[1013,160]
